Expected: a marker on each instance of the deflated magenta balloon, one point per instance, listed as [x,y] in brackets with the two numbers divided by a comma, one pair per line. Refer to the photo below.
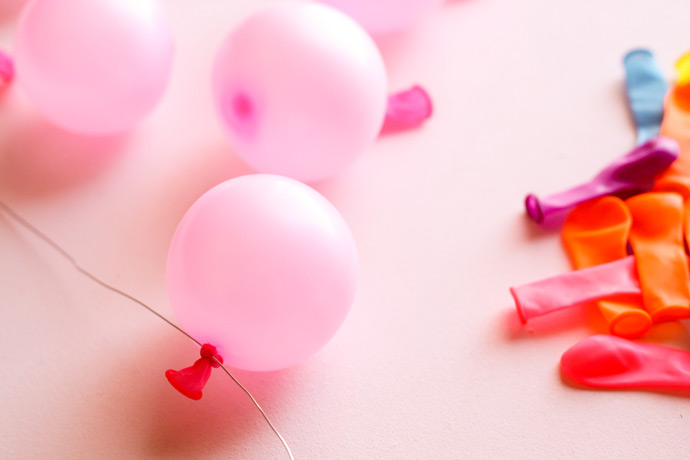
[94,66]
[633,173]
[379,16]
[301,89]
[265,269]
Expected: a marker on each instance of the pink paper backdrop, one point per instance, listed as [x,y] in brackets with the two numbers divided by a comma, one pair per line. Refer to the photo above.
[432,363]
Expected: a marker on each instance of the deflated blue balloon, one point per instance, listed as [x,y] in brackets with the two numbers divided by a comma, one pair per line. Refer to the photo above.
[646,89]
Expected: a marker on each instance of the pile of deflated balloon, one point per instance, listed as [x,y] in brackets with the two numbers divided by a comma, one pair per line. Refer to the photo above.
[627,237]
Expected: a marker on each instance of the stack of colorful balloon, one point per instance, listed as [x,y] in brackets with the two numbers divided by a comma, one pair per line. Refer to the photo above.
[627,238]
[262,267]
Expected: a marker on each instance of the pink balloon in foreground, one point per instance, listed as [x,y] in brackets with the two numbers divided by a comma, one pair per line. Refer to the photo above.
[381,16]
[264,268]
[94,66]
[301,89]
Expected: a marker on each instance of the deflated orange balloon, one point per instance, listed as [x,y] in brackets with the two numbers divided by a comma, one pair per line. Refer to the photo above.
[657,240]
[676,125]
[596,232]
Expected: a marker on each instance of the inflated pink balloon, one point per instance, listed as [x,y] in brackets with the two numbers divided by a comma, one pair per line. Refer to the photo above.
[301,89]
[264,268]
[380,16]
[94,66]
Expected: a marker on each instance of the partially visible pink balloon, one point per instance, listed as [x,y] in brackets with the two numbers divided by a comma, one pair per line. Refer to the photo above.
[381,16]
[301,89]
[94,66]
[264,268]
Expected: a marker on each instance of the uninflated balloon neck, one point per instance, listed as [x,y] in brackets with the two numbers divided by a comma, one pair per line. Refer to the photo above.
[407,109]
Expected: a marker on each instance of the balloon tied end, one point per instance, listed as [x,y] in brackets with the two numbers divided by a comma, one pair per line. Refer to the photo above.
[190,381]
[407,109]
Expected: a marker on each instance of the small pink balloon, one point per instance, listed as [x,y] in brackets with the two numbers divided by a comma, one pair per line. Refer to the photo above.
[264,268]
[94,66]
[381,16]
[301,89]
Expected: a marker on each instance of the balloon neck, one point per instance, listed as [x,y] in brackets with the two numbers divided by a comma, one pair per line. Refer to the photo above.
[190,381]
[407,109]
[6,68]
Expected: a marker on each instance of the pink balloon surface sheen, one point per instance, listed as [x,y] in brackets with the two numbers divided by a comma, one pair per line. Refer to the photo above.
[94,66]
[381,16]
[264,268]
[301,89]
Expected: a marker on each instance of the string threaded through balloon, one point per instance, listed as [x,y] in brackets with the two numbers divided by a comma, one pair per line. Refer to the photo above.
[42,236]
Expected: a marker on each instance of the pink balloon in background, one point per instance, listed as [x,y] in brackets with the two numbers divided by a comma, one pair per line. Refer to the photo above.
[301,89]
[94,66]
[264,268]
[381,16]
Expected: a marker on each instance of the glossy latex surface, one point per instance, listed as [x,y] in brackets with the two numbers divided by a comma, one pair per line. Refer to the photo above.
[610,362]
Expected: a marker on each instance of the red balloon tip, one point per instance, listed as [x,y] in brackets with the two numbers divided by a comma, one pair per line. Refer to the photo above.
[190,381]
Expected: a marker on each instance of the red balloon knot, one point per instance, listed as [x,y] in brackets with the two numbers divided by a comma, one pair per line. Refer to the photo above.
[209,352]
[190,381]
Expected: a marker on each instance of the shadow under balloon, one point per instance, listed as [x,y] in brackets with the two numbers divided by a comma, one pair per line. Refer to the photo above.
[180,425]
[170,425]
[38,158]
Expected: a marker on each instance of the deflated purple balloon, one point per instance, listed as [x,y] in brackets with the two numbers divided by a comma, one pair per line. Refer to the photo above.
[630,174]
[606,361]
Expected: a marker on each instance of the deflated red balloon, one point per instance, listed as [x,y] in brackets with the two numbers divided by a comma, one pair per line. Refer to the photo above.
[607,361]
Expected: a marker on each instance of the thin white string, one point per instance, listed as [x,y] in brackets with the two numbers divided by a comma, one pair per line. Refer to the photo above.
[24,223]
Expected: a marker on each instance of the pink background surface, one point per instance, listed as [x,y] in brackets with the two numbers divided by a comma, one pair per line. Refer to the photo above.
[431,363]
